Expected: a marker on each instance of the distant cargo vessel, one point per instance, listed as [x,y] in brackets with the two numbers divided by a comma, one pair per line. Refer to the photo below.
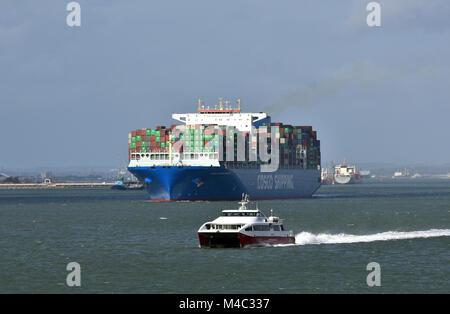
[220,153]
[400,174]
[346,174]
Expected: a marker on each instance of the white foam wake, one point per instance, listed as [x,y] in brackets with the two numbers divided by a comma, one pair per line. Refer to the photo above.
[305,238]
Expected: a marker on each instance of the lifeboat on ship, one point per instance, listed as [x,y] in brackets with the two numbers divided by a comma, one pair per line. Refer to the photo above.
[244,227]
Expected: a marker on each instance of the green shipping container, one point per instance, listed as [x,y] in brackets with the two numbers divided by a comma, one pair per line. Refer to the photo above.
[163,144]
[158,139]
[133,145]
[138,138]
[133,139]
[142,144]
[143,150]
[148,132]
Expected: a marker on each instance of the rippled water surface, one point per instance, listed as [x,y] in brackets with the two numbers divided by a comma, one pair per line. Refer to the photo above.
[126,243]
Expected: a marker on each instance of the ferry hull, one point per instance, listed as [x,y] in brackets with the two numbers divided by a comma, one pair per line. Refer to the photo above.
[219,240]
[246,240]
[173,183]
[238,240]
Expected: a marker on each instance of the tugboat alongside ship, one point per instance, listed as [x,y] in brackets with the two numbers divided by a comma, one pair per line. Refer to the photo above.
[244,227]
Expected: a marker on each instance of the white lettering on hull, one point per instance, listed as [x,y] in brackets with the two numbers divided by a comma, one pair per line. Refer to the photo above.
[275,182]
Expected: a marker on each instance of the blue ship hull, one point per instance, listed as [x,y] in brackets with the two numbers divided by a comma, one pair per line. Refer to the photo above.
[165,183]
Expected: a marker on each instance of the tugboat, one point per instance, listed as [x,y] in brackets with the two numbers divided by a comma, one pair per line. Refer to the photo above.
[244,227]
[121,185]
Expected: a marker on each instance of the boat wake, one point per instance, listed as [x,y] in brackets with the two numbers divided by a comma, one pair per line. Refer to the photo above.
[305,238]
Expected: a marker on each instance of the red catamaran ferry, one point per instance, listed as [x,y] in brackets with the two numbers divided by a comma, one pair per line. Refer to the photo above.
[244,227]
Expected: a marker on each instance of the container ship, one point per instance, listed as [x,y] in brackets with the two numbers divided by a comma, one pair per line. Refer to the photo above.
[219,153]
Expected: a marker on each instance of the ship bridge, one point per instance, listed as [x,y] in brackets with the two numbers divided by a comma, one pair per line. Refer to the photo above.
[223,114]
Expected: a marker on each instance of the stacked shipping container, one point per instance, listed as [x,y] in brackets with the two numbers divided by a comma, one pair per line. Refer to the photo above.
[299,147]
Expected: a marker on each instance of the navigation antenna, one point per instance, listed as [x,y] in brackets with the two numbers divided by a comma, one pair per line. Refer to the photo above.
[244,202]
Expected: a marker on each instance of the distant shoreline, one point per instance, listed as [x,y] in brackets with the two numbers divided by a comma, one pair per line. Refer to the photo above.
[14,186]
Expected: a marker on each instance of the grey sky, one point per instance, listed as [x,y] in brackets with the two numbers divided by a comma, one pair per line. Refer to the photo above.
[69,96]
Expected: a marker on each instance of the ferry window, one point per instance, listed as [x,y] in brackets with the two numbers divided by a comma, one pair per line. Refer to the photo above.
[249,228]
[282,228]
[152,157]
[261,228]
[148,155]
[142,155]
[207,227]
[276,228]
[192,156]
[133,156]
[167,156]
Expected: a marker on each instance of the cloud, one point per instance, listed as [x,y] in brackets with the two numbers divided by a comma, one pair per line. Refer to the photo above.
[363,74]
